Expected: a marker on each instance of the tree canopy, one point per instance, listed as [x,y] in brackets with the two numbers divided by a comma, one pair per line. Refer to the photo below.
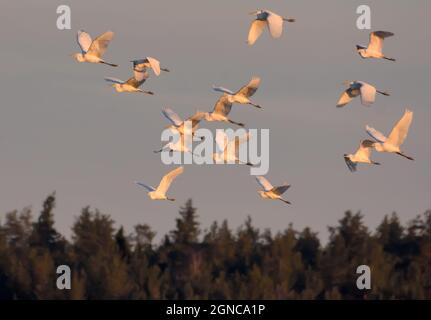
[214,263]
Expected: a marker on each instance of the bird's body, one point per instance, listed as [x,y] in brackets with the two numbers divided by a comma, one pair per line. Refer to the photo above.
[392,143]
[359,88]
[375,46]
[229,150]
[159,193]
[221,110]
[131,85]
[271,192]
[93,50]
[179,128]
[148,63]
[179,125]
[177,146]
[273,21]
[242,96]
[362,155]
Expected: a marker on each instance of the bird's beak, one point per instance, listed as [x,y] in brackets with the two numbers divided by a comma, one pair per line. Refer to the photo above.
[253,13]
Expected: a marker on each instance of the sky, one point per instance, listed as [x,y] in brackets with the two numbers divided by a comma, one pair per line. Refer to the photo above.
[63,129]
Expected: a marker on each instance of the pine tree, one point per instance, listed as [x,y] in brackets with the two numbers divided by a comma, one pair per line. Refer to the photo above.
[44,235]
[187,230]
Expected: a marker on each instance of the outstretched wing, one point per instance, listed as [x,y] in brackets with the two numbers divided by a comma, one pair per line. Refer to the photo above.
[139,64]
[249,89]
[401,129]
[376,40]
[115,80]
[236,143]
[264,183]
[221,140]
[84,40]
[223,106]
[364,150]
[172,117]
[138,78]
[196,118]
[351,165]
[255,31]
[100,44]
[368,93]
[376,135]
[155,65]
[347,96]
[168,178]
[224,90]
[149,188]
[275,24]
[281,189]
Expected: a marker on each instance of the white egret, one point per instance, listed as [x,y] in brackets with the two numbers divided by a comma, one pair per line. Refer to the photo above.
[228,150]
[179,146]
[243,95]
[178,125]
[148,63]
[359,88]
[159,193]
[131,85]
[393,142]
[271,192]
[375,46]
[180,129]
[221,110]
[93,50]
[266,18]
[362,155]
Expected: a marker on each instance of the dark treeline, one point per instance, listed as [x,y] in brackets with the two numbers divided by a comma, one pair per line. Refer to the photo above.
[218,263]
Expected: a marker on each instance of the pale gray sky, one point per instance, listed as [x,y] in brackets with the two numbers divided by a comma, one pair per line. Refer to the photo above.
[62,128]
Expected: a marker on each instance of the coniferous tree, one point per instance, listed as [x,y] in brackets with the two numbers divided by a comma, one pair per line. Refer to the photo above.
[245,264]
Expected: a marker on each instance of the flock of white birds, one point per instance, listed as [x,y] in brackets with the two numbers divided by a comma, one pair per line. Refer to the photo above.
[92,51]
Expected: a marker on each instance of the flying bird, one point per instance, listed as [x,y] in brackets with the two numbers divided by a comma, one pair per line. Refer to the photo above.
[93,50]
[375,46]
[179,145]
[148,63]
[359,88]
[178,125]
[229,150]
[131,85]
[221,111]
[266,18]
[159,193]
[362,155]
[393,142]
[243,95]
[271,192]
